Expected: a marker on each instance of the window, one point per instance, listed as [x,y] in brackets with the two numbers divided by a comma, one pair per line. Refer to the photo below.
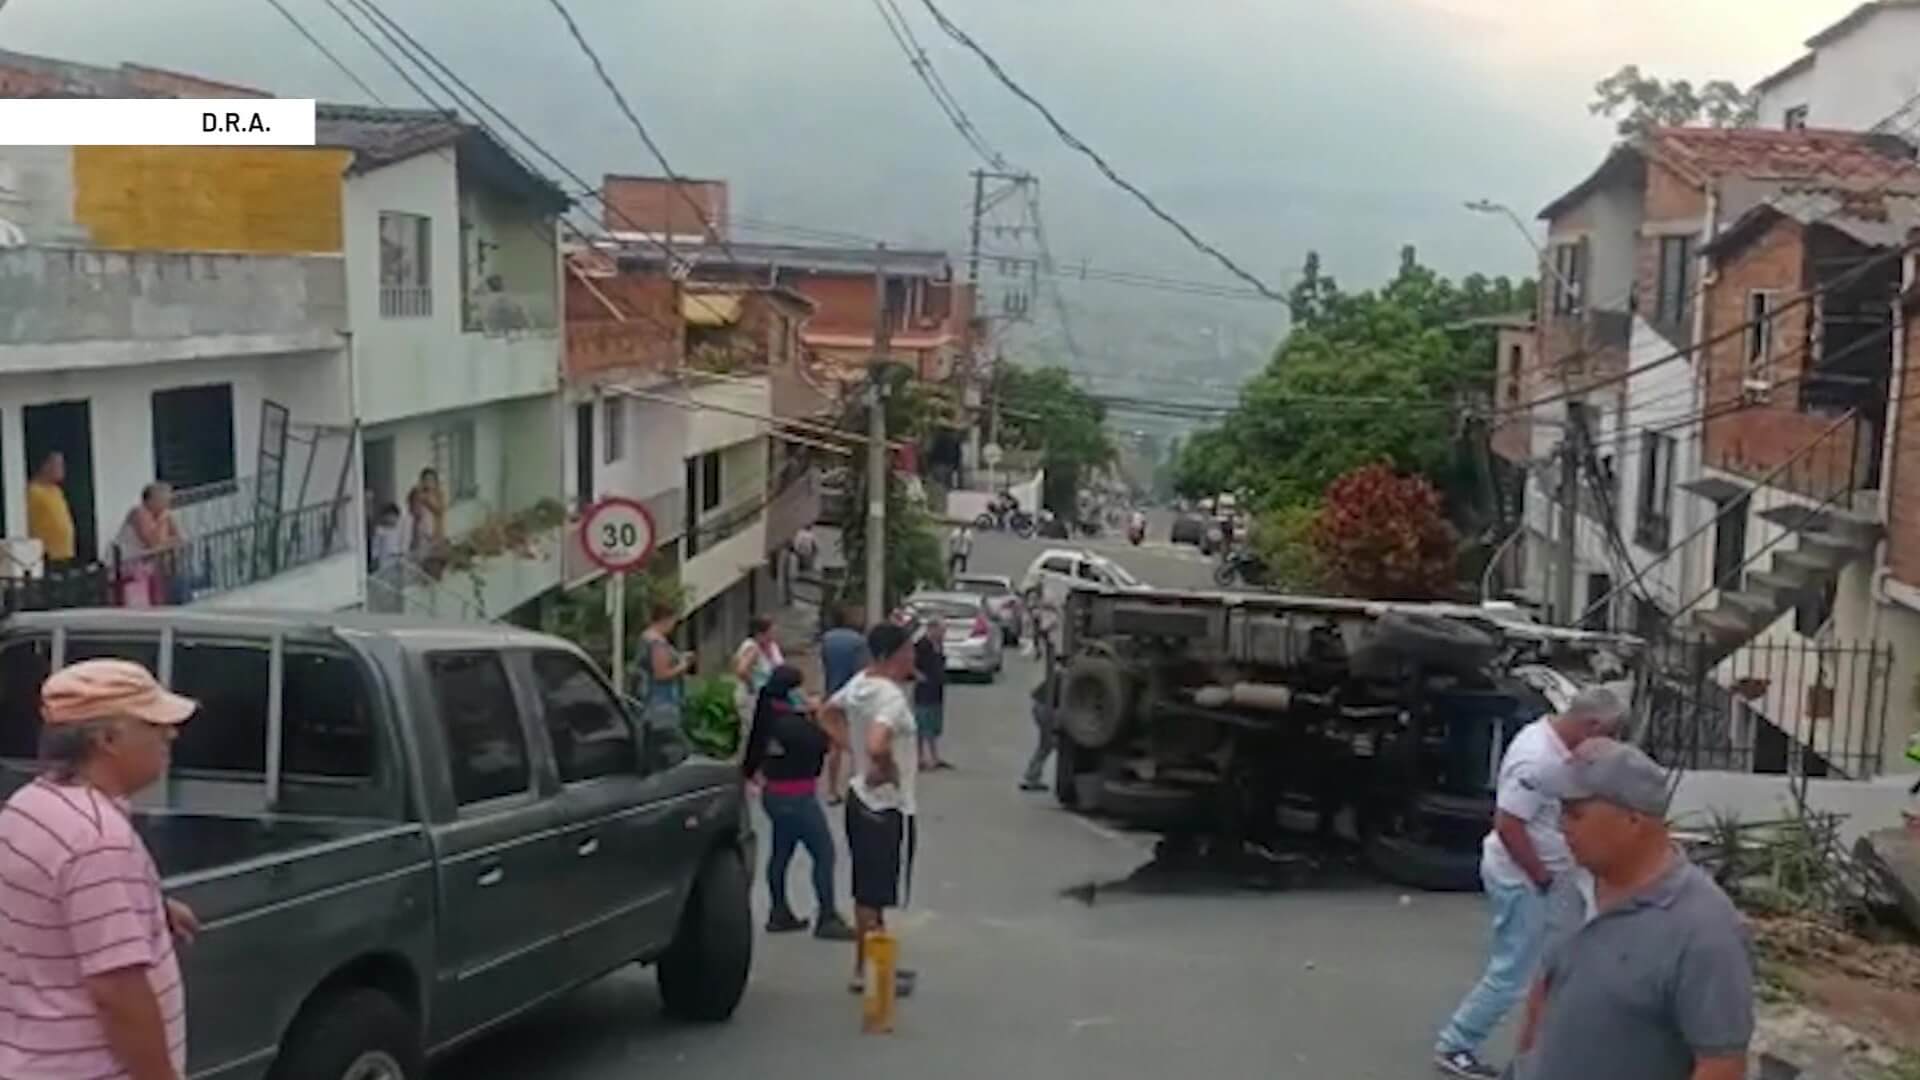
[1598,614]
[1058,564]
[1672,290]
[326,716]
[1795,118]
[456,455]
[588,729]
[406,284]
[616,425]
[690,486]
[486,748]
[229,680]
[1515,356]
[1655,519]
[1087,571]
[193,435]
[1814,611]
[24,664]
[709,480]
[1569,276]
[1761,304]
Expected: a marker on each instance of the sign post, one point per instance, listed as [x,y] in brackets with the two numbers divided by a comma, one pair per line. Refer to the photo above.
[617,534]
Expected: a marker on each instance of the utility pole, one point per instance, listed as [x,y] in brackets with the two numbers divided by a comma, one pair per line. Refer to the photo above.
[1570,448]
[877,443]
[973,249]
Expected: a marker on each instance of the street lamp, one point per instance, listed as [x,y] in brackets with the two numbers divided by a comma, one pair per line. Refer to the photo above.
[1488,206]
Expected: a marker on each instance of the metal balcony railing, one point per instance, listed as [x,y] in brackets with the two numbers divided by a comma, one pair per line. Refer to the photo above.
[406,301]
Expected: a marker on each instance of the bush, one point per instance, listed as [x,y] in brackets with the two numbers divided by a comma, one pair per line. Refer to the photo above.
[1383,536]
[709,718]
[1283,538]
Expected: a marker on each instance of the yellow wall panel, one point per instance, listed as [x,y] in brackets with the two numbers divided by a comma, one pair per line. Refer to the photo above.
[210,198]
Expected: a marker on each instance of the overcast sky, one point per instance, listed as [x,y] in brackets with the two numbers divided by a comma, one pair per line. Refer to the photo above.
[1271,126]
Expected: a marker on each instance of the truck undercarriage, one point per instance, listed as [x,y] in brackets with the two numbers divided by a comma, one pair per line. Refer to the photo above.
[1222,720]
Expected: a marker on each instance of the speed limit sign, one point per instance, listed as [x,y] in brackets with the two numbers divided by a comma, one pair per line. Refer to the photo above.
[617,534]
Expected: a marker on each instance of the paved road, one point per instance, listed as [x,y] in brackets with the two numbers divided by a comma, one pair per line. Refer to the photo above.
[1156,561]
[1342,979]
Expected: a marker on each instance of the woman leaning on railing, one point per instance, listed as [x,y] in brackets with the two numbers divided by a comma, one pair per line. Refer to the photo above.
[147,551]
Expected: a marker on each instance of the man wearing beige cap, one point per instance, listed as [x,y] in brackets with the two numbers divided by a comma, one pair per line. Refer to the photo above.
[92,986]
[1658,985]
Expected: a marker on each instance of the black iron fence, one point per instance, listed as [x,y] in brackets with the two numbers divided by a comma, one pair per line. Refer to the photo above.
[1811,708]
[82,586]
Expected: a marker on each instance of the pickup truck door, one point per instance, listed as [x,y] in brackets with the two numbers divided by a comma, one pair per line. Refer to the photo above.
[501,927]
[618,884]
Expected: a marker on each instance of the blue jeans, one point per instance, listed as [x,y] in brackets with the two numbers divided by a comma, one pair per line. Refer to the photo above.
[1519,927]
[797,820]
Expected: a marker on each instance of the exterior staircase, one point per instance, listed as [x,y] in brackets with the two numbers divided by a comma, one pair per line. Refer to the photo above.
[1824,540]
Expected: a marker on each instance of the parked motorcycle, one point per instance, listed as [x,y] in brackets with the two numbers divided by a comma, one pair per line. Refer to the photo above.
[1016,521]
[1239,566]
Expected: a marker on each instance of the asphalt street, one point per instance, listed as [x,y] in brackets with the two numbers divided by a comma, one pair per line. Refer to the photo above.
[1028,972]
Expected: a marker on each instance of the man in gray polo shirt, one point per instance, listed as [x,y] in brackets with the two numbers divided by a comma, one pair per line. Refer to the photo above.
[1659,984]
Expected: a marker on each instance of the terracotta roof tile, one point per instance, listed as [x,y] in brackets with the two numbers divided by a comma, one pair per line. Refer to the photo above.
[1707,154]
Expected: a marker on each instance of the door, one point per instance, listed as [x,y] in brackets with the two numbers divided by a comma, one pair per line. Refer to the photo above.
[618,880]
[501,929]
[1730,543]
[380,474]
[583,454]
[66,428]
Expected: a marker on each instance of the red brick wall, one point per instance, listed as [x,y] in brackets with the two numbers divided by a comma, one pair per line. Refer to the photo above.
[843,304]
[1903,516]
[148,80]
[1512,433]
[1670,199]
[1770,429]
[652,338]
[651,204]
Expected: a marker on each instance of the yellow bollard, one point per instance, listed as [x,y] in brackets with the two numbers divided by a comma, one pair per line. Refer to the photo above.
[877,1005]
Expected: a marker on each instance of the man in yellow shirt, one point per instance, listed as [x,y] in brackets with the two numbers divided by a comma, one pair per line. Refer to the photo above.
[49,519]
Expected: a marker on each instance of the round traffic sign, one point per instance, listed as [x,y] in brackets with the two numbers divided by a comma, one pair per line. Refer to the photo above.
[617,533]
[991,454]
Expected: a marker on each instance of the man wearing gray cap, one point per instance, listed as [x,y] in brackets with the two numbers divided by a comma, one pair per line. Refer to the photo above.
[1531,881]
[1659,984]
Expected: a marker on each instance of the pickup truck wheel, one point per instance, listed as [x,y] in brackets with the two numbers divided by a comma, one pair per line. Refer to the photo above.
[357,1035]
[704,971]
[1093,702]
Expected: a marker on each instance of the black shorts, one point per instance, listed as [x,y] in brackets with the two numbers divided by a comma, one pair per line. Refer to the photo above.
[881,844]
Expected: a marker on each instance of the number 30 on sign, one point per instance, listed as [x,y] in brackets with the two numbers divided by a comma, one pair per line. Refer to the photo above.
[617,534]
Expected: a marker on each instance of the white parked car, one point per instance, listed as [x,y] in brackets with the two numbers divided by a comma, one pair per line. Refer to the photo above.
[972,637]
[1060,570]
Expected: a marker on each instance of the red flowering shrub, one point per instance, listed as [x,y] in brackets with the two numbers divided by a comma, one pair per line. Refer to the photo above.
[1383,536]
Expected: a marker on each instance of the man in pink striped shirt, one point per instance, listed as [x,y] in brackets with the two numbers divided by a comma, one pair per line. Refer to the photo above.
[89,984]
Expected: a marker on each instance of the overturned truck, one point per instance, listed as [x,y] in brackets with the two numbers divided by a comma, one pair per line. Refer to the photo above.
[1227,719]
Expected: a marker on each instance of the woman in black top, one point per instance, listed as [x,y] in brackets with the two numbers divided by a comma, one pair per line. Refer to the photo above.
[786,751]
[930,693]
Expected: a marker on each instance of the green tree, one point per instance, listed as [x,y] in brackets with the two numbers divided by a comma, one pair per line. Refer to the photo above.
[1362,377]
[1642,101]
[1042,409]
[1283,537]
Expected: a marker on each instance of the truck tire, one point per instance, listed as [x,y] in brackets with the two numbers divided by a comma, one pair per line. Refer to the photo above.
[1146,803]
[1093,702]
[704,972]
[1442,642]
[356,1034]
[1423,866]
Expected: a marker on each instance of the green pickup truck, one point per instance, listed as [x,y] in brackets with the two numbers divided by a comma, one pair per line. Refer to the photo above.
[400,835]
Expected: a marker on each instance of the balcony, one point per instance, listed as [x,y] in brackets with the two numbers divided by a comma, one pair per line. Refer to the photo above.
[68,308]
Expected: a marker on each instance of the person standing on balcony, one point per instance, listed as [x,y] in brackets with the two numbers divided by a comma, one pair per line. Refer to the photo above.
[49,519]
[427,506]
[148,550]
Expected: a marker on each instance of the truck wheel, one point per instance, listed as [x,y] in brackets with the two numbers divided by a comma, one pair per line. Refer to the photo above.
[359,1034]
[1437,640]
[1423,866]
[704,971]
[1093,702]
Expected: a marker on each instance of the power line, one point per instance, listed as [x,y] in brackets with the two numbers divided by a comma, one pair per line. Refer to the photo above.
[633,118]
[326,52]
[903,35]
[1073,141]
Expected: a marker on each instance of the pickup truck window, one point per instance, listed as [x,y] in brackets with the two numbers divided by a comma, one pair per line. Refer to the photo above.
[486,747]
[23,667]
[229,680]
[326,717]
[590,733]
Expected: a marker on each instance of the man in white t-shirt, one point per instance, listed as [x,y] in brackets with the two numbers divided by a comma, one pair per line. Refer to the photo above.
[874,713]
[1532,883]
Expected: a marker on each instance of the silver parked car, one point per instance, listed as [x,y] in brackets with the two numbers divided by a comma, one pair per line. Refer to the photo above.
[972,637]
[1002,602]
